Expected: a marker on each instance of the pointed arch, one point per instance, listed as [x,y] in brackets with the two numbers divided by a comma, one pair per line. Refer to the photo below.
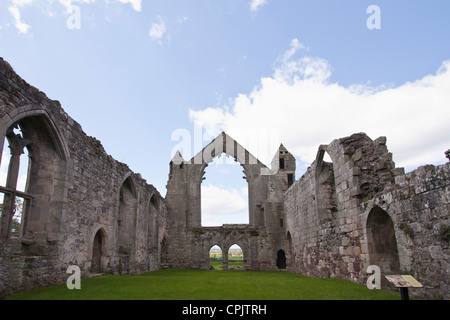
[224,195]
[47,155]
[127,216]
[235,259]
[98,251]
[325,185]
[152,224]
[215,256]
[47,125]
[281,259]
[381,241]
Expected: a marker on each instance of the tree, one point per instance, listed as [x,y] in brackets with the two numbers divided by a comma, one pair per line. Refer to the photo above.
[17,217]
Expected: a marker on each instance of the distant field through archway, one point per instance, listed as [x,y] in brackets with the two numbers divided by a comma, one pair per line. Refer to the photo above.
[235,258]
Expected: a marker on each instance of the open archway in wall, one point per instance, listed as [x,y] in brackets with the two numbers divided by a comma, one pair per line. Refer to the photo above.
[224,193]
[382,243]
[281,259]
[215,258]
[235,258]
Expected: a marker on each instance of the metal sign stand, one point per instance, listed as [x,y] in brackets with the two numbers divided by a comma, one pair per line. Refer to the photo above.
[404,282]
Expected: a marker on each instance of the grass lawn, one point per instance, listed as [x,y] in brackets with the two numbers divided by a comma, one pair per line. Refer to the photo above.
[175,284]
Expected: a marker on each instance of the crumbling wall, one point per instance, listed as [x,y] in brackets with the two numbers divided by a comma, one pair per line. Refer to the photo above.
[188,243]
[330,236]
[335,221]
[418,203]
[74,192]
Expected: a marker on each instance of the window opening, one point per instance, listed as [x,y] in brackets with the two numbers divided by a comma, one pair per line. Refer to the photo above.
[281,163]
[215,258]
[290,177]
[224,194]
[235,258]
[14,171]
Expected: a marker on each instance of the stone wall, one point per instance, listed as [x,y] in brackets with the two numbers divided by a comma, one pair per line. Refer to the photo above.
[74,190]
[188,243]
[418,203]
[331,221]
[82,207]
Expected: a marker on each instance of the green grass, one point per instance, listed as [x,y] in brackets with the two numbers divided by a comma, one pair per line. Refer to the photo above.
[231,264]
[175,284]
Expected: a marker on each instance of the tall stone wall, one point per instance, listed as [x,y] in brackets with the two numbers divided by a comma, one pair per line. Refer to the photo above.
[74,192]
[81,207]
[341,224]
[188,242]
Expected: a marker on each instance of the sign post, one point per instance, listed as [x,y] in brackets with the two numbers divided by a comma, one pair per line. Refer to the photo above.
[404,282]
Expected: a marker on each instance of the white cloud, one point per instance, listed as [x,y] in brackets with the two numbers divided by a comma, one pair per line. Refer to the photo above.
[255,5]
[136,4]
[21,26]
[157,30]
[307,110]
[20,3]
[69,3]
[223,205]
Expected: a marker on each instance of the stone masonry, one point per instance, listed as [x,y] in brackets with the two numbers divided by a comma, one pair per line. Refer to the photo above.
[81,207]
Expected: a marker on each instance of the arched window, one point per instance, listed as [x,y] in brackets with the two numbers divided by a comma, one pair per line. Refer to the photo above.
[224,194]
[32,168]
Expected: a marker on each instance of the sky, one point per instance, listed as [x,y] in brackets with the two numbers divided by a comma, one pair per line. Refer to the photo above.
[147,78]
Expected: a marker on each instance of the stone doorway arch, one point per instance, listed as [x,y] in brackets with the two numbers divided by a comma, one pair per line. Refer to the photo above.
[281,260]
[215,255]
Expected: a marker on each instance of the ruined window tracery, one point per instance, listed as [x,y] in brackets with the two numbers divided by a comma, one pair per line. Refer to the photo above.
[224,194]
[14,171]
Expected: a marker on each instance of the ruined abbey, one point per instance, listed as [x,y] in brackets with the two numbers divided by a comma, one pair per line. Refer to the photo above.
[82,207]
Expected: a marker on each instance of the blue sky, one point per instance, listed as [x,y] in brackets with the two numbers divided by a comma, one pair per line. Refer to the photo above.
[303,73]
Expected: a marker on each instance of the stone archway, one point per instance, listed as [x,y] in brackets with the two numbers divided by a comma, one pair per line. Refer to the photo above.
[235,258]
[98,252]
[281,260]
[215,256]
[382,243]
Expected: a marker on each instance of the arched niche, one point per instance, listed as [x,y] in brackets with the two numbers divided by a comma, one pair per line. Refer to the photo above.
[382,242]
[325,194]
[152,227]
[127,217]
[98,251]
